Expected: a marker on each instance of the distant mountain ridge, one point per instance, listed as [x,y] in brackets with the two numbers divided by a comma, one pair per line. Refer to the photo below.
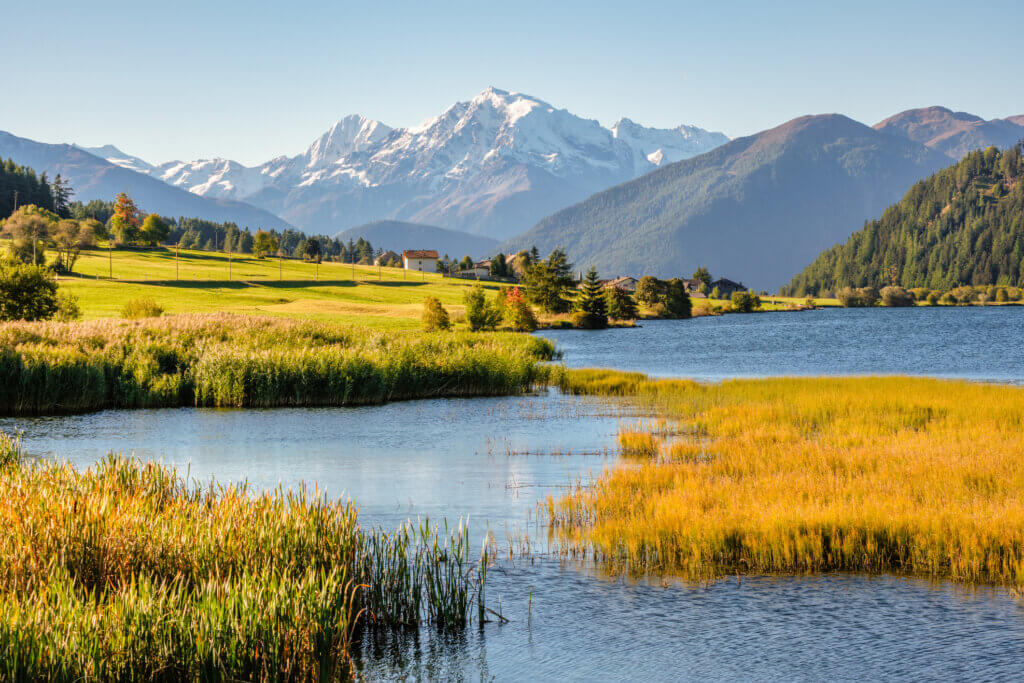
[755,209]
[398,236]
[493,165]
[94,178]
[953,133]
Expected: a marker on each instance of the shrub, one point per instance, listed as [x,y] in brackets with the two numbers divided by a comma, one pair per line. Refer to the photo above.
[1014,293]
[948,299]
[862,297]
[810,304]
[434,315]
[897,297]
[141,308]
[1001,295]
[27,293]
[518,313]
[583,320]
[67,308]
[660,310]
[932,299]
[920,293]
[745,302]
[479,315]
[965,294]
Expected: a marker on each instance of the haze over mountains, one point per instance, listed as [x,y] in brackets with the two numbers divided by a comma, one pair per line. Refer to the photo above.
[96,178]
[492,166]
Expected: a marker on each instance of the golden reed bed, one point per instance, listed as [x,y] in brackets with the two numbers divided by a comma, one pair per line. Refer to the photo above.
[870,474]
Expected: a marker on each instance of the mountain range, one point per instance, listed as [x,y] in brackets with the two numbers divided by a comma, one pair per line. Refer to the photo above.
[492,166]
[756,209]
[953,133]
[92,177]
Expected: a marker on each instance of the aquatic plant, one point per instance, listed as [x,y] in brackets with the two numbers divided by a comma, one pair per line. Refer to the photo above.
[871,474]
[247,361]
[126,571]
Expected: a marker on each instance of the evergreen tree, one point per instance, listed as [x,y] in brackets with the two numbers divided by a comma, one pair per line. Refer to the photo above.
[591,303]
[620,304]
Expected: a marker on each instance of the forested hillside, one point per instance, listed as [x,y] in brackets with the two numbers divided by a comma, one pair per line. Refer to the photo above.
[19,185]
[962,226]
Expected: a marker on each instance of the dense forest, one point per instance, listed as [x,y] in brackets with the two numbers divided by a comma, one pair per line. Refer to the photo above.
[962,226]
[19,186]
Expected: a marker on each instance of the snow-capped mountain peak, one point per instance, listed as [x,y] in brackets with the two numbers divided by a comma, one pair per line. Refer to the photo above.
[493,164]
[119,158]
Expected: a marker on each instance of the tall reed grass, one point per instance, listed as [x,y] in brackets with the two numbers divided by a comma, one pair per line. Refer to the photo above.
[246,361]
[126,572]
[868,474]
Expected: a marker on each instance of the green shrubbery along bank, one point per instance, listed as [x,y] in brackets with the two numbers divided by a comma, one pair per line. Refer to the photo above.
[247,361]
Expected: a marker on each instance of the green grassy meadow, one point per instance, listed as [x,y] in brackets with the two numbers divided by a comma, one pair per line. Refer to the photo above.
[198,282]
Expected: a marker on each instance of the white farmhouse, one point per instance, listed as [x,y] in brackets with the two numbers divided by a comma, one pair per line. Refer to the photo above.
[422,259]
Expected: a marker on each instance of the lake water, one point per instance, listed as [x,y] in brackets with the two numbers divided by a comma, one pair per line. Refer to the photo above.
[978,342]
[495,459]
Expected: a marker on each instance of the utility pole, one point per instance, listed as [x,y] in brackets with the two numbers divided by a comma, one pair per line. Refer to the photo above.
[280,266]
[110,255]
[175,262]
[229,265]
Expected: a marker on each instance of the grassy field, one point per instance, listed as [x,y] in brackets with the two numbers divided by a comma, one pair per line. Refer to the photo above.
[869,474]
[367,295]
[128,572]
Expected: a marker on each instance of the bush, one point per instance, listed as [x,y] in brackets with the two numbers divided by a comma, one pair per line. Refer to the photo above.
[965,294]
[948,299]
[649,290]
[518,313]
[27,293]
[896,297]
[479,315]
[745,302]
[932,299]
[862,297]
[1001,296]
[920,293]
[660,310]
[141,308]
[434,315]
[67,308]
[583,320]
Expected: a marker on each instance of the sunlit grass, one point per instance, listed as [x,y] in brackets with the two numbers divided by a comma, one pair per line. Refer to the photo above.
[128,572]
[248,361]
[870,474]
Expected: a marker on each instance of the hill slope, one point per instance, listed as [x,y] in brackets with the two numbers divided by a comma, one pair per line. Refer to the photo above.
[396,236]
[96,178]
[755,209]
[963,225]
[953,133]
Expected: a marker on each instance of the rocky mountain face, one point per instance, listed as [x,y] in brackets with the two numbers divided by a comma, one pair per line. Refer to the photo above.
[953,133]
[491,166]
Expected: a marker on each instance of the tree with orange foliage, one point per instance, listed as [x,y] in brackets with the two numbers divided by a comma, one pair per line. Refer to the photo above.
[124,224]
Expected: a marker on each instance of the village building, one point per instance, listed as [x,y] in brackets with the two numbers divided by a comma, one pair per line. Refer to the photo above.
[424,260]
[692,285]
[479,269]
[387,257]
[623,282]
[726,287]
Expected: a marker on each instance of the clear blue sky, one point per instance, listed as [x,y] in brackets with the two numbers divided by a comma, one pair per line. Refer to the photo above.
[253,80]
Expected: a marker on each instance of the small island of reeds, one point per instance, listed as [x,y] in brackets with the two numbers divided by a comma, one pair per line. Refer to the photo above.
[901,475]
[230,360]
